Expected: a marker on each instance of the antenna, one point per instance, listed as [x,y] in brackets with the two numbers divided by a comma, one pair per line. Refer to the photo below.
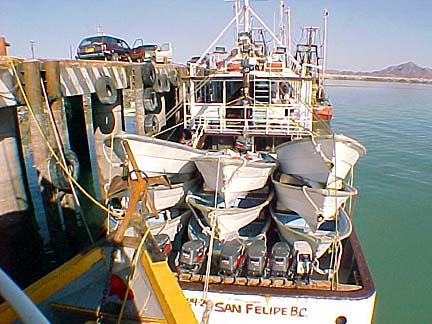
[99,29]
[32,48]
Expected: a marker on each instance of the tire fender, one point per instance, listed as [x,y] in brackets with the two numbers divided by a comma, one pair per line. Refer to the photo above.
[151,124]
[148,74]
[150,100]
[162,84]
[173,78]
[106,90]
[58,177]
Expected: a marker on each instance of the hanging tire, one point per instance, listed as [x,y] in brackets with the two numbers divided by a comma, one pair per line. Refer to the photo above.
[162,84]
[58,177]
[150,100]
[173,78]
[148,74]
[151,124]
[106,90]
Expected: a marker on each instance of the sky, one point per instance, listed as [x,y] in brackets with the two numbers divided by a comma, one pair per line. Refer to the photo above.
[363,35]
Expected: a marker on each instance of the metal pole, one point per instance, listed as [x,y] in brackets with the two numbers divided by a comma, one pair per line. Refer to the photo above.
[288,33]
[247,16]
[21,303]
[326,13]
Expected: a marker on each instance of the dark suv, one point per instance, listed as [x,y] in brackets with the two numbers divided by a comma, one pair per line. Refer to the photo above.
[103,48]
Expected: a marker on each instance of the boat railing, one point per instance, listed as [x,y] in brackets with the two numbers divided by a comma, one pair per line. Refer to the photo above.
[260,119]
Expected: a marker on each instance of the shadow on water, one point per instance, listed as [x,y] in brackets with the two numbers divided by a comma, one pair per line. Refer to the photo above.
[21,248]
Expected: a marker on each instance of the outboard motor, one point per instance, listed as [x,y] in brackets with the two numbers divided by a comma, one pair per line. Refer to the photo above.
[256,258]
[164,243]
[303,255]
[231,258]
[280,259]
[191,256]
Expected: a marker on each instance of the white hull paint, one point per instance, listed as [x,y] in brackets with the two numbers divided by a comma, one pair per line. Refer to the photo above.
[157,157]
[294,228]
[329,159]
[169,225]
[165,197]
[228,220]
[233,177]
[230,308]
[314,205]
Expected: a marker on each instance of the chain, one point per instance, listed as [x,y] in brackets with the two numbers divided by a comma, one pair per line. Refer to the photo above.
[107,287]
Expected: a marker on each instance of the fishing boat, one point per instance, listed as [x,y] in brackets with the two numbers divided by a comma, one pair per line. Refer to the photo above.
[293,227]
[154,156]
[330,158]
[233,175]
[261,93]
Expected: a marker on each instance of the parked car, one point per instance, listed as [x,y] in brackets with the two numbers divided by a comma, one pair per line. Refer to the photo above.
[151,52]
[103,47]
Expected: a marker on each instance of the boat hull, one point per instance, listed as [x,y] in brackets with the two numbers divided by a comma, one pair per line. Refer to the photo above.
[230,308]
[233,177]
[228,221]
[293,227]
[166,197]
[329,160]
[262,302]
[155,156]
[314,205]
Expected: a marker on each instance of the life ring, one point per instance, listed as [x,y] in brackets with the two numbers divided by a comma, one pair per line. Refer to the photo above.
[151,124]
[106,90]
[173,78]
[150,100]
[162,84]
[148,74]
[58,177]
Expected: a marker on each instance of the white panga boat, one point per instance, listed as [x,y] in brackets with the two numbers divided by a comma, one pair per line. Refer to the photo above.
[156,156]
[233,175]
[324,159]
[293,227]
[315,205]
[169,223]
[228,221]
[198,229]
[165,197]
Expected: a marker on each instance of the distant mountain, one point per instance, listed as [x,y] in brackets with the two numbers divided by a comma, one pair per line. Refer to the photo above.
[404,70]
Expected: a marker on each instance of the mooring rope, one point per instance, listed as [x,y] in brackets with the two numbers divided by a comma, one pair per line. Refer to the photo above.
[51,149]
[63,160]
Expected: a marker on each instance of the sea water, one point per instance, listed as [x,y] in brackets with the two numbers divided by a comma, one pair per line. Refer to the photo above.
[393,215]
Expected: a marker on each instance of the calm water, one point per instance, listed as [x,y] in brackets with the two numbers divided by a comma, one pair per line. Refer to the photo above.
[394,210]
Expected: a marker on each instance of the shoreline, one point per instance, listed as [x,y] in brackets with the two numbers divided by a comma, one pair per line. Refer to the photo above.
[377,78]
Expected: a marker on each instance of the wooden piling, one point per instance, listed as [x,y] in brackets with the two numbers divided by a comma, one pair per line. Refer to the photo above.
[3,46]
[41,154]
[138,88]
